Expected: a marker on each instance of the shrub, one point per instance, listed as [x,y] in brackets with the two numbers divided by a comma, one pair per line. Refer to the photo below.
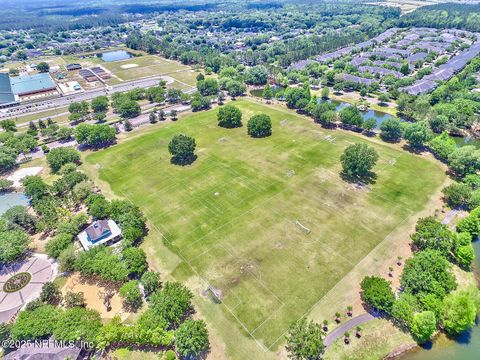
[259,126]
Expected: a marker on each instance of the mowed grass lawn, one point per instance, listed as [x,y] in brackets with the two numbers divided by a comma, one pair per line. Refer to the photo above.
[148,65]
[238,216]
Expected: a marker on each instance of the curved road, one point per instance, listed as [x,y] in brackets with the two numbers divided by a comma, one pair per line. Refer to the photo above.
[342,329]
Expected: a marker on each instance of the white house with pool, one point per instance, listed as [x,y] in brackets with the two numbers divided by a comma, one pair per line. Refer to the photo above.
[100,232]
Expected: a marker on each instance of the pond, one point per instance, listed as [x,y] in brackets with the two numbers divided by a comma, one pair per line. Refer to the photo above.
[467,140]
[465,347]
[9,200]
[379,116]
[116,55]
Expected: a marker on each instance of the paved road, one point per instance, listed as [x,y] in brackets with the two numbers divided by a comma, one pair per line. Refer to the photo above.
[49,104]
[349,325]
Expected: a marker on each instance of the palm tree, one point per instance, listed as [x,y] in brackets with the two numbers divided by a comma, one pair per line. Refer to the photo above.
[347,338]
[337,317]
[399,260]
[358,332]
[325,325]
[173,114]
[349,310]
[390,271]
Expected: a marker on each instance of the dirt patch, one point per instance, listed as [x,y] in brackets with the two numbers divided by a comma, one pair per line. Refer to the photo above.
[129,66]
[94,294]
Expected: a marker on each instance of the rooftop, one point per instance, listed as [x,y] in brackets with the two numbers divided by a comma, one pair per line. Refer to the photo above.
[6,94]
[100,232]
[27,84]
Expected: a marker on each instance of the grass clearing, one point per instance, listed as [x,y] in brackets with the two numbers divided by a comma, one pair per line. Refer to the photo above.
[148,65]
[236,218]
[379,337]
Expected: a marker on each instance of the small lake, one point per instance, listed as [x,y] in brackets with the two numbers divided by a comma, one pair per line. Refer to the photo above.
[116,55]
[9,200]
[464,141]
[379,116]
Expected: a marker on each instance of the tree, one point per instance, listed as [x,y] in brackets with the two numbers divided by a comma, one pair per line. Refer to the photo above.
[35,188]
[235,88]
[155,94]
[151,282]
[58,243]
[418,134]
[43,67]
[465,255]
[377,293]
[200,102]
[98,206]
[267,92]
[259,126]
[131,295]
[423,326]
[459,310]
[17,217]
[357,161]
[12,245]
[5,185]
[101,261]
[457,195]
[256,75]
[207,87]
[135,260]
[58,157]
[8,125]
[297,98]
[325,94]
[129,109]
[432,234]
[428,272]
[229,116]
[403,309]
[191,339]
[64,133]
[74,299]
[50,294]
[172,303]
[161,115]
[442,146]
[405,68]
[152,118]
[369,125]
[350,115]
[305,341]
[35,324]
[8,158]
[100,104]
[182,149]
[77,324]
[383,98]
[465,160]
[95,135]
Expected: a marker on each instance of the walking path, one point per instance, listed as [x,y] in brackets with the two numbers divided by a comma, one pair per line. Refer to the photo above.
[342,329]
[449,217]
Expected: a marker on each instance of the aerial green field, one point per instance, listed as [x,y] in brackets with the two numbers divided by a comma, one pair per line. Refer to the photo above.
[267,224]
[144,66]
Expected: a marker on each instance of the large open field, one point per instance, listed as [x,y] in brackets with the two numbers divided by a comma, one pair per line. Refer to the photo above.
[237,217]
[144,66]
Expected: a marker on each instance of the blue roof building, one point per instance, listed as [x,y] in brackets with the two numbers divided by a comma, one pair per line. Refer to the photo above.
[7,97]
[32,84]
